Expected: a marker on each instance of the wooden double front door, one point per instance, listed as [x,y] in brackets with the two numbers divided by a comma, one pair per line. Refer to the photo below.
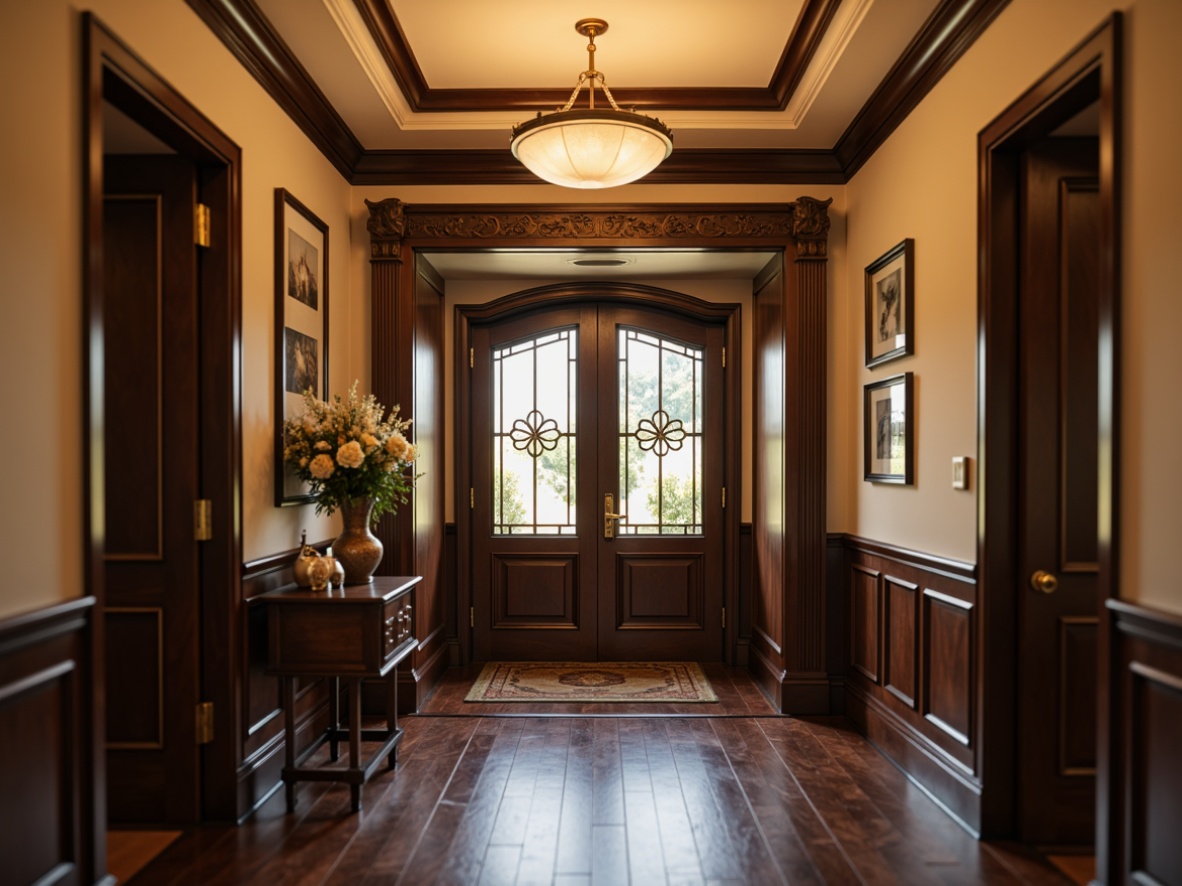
[597,495]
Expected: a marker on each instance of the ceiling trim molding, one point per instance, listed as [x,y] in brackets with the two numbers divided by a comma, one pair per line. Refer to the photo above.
[250,37]
[949,32]
[809,29]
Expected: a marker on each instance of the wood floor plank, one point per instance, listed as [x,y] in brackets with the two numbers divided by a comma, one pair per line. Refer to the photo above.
[717,856]
[573,855]
[607,789]
[609,855]
[540,845]
[802,845]
[631,800]
[465,856]
[677,834]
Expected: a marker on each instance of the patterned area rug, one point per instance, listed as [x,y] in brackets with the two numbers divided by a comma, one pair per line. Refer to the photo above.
[592,681]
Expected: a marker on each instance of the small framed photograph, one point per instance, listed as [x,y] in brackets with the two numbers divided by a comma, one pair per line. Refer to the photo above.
[890,329]
[889,430]
[301,325]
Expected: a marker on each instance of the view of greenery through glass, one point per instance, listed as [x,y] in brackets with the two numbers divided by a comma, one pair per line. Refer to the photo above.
[660,434]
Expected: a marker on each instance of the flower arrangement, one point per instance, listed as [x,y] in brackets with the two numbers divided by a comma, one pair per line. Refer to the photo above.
[349,449]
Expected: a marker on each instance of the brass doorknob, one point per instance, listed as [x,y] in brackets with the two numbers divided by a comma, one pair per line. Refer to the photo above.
[1044,582]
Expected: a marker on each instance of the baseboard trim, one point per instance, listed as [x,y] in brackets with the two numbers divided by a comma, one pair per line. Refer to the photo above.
[940,777]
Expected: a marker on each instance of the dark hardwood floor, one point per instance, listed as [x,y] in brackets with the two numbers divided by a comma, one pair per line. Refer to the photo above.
[546,797]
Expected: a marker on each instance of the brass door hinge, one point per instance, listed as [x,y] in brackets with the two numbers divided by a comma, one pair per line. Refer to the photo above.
[201,225]
[205,722]
[724,358]
[202,519]
[724,616]
[471,358]
[724,498]
[471,497]
[471,616]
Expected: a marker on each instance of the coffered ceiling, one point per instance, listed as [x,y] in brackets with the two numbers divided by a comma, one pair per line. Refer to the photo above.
[426,91]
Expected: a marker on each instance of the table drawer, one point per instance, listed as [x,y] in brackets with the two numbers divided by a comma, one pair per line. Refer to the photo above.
[398,624]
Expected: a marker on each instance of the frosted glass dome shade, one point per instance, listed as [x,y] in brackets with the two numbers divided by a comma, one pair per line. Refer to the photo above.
[591,148]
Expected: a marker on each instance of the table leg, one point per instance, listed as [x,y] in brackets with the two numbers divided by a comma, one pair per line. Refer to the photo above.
[355,737]
[334,701]
[392,714]
[287,690]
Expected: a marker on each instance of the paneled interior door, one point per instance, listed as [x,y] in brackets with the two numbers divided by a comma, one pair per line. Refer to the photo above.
[1059,546]
[597,495]
[151,478]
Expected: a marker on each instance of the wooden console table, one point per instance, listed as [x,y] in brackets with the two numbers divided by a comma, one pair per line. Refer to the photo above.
[349,634]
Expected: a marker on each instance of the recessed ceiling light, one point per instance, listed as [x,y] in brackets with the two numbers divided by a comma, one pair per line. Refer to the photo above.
[599,262]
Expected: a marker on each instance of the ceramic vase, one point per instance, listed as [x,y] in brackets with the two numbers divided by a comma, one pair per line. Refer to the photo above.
[357,549]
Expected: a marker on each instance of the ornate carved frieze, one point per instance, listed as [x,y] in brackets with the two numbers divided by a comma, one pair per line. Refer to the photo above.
[593,225]
[805,222]
[810,227]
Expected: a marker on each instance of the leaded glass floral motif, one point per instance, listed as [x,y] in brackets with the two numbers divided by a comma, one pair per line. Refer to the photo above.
[661,443]
[534,401]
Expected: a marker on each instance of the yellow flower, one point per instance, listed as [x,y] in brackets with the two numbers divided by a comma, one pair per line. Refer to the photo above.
[397,445]
[350,455]
[369,441]
[321,467]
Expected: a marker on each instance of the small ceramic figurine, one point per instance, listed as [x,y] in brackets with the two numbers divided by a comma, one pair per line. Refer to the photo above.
[338,571]
[307,556]
[319,573]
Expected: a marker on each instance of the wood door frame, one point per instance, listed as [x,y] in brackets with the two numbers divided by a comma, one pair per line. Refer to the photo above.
[725,314]
[115,74]
[405,369]
[1090,73]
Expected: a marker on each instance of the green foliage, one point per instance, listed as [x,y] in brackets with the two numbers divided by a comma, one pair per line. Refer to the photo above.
[509,503]
[678,502]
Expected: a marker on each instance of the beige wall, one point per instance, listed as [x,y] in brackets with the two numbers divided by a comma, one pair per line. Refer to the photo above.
[41,223]
[922,184]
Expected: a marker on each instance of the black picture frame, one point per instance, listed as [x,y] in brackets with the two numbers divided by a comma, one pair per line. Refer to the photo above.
[889,430]
[301,326]
[890,299]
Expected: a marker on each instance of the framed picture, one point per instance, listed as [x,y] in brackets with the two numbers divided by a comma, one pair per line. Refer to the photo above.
[889,430]
[301,325]
[890,330]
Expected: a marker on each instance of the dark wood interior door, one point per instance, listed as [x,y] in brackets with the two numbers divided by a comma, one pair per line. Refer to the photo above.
[1058,539]
[597,490]
[151,608]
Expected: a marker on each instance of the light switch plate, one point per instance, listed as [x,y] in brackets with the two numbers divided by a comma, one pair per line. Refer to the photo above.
[960,472]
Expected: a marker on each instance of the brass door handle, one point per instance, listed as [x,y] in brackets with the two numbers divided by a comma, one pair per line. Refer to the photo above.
[609,518]
[1044,582]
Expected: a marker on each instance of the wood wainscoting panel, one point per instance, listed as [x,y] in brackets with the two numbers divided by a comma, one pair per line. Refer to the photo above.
[911,679]
[47,748]
[947,663]
[1146,728]
[864,624]
[901,638]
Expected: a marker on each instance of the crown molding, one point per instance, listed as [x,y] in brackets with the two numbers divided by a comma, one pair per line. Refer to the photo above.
[250,37]
[806,36]
[949,31]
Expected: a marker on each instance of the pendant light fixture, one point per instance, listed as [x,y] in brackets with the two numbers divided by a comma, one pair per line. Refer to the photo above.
[591,147]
